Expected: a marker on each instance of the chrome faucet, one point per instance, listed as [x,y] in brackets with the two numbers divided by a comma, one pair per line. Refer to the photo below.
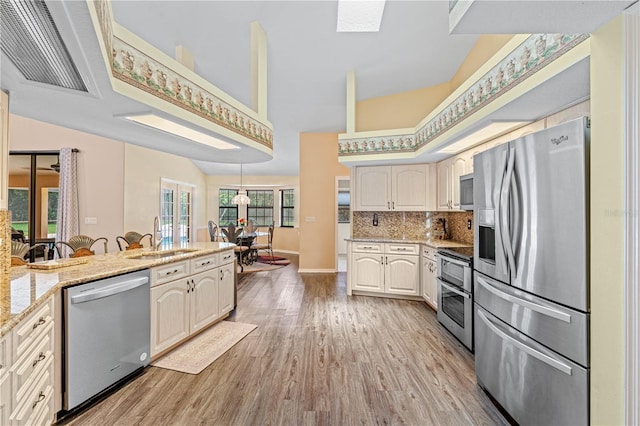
[155,241]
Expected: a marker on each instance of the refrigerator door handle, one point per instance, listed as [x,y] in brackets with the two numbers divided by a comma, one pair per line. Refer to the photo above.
[504,212]
[559,315]
[498,220]
[552,362]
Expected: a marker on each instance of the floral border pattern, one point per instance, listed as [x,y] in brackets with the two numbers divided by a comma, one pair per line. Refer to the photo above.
[134,67]
[532,55]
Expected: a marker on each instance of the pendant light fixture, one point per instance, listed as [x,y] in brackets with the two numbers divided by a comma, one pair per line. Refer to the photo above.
[241,198]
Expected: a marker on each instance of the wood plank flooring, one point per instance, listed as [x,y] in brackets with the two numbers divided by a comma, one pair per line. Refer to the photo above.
[317,357]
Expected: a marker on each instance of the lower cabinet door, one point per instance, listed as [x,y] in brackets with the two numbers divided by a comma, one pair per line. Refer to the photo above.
[204,299]
[169,314]
[368,272]
[402,274]
[429,289]
[226,288]
[5,399]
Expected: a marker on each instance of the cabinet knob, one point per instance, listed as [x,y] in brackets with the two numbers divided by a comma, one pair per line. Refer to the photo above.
[40,398]
[40,322]
[40,358]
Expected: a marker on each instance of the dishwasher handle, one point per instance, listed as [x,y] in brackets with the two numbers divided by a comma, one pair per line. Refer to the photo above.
[110,290]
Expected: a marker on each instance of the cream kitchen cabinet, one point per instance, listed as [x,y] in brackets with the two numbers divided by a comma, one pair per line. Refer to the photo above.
[27,370]
[5,378]
[399,188]
[448,187]
[182,307]
[385,268]
[226,287]
[429,274]
[169,314]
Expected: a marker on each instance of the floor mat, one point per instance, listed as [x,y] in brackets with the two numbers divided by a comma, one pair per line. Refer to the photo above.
[195,355]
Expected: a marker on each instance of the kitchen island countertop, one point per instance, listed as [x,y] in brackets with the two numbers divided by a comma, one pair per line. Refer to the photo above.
[431,242]
[28,288]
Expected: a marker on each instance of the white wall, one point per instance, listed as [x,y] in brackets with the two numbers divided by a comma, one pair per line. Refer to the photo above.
[143,170]
[100,171]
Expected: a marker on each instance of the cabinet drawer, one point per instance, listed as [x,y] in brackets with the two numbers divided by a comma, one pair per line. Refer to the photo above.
[5,353]
[170,272]
[31,328]
[36,407]
[359,247]
[204,263]
[429,252]
[32,363]
[402,248]
[226,257]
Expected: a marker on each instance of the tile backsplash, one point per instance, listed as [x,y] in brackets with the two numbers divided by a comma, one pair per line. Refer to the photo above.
[412,225]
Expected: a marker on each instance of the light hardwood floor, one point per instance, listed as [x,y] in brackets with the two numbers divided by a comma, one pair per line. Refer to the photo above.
[317,357]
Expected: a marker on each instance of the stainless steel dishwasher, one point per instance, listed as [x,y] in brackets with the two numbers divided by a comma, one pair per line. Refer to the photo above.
[106,334]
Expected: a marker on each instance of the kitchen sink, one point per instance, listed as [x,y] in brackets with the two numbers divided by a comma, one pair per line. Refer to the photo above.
[162,254]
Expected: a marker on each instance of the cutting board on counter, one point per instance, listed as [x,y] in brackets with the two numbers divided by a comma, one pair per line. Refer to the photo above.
[57,263]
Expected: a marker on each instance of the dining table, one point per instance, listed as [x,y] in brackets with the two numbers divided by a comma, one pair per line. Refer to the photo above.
[246,240]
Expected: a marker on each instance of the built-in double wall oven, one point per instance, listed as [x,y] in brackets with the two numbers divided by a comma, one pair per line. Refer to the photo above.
[455,292]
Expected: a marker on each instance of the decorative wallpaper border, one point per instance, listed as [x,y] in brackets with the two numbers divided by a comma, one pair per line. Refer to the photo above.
[138,69]
[532,55]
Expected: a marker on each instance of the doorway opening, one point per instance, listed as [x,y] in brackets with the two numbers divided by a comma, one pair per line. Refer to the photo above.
[343,217]
[34,178]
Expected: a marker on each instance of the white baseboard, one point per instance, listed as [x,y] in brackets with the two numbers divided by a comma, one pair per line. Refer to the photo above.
[317,271]
[285,251]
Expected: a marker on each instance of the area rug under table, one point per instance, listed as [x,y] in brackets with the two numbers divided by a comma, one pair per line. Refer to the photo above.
[195,355]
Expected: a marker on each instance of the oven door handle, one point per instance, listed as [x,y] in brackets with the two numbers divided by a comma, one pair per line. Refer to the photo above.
[453,290]
[446,258]
[110,290]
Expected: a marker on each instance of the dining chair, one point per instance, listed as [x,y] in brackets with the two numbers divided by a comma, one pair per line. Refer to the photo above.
[213,230]
[131,240]
[19,250]
[232,235]
[80,245]
[250,227]
[268,246]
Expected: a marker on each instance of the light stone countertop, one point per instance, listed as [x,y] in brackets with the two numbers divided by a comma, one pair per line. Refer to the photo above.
[28,287]
[430,243]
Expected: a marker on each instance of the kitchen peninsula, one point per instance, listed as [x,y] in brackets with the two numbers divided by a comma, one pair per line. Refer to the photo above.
[31,318]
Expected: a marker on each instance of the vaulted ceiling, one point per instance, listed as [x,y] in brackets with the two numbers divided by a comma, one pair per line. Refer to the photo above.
[307,63]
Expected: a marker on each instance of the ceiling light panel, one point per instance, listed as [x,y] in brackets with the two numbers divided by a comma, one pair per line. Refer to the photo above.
[360,15]
[31,40]
[175,129]
[486,133]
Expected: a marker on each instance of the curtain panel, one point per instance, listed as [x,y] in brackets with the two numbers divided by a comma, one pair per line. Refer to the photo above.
[68,212]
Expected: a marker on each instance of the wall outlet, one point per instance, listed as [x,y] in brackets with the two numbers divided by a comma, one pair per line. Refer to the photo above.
[375,219]
[90,220]
[468,223]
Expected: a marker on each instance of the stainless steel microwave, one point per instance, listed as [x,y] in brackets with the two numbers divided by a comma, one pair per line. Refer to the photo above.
[466,192]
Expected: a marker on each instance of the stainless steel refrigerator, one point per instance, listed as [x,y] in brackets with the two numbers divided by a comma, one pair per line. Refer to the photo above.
[531,310]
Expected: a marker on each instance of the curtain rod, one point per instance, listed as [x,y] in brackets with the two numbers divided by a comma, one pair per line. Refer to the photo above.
[39,152]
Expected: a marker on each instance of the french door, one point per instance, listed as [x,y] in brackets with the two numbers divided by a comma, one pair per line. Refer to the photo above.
[176,212]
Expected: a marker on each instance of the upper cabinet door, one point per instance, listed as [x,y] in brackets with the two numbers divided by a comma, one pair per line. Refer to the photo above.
[458,168]
[410,188]
[373,188]
[444,185]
